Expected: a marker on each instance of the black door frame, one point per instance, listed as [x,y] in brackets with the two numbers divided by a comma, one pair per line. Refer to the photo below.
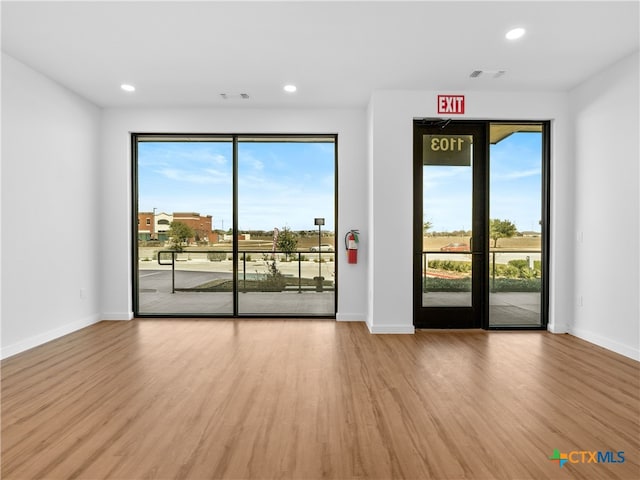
[476,316]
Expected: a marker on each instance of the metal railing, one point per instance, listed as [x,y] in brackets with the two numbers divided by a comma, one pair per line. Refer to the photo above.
[170,257]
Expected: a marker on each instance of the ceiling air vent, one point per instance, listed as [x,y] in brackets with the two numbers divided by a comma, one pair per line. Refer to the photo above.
[234,96]
[487,73]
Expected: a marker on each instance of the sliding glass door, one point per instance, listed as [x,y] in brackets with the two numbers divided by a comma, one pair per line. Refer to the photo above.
[184,198]
[284,266]
[228,225]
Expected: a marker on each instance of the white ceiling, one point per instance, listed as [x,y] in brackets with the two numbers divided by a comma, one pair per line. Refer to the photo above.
[337,53]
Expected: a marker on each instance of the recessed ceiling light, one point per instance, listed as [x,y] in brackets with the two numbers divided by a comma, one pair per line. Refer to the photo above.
[127,88]
[515,33]
[290,88]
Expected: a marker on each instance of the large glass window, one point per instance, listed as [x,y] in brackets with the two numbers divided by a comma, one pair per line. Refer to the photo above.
[227,225]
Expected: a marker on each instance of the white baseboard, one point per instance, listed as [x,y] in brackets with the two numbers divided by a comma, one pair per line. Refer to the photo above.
[392,329]
[45,337]
[555,328]
[350,317]
[117,316]
[604,342]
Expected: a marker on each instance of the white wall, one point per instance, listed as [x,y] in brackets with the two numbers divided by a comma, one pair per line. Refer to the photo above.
[391,211]
[63,154]
[50,160]
[605,112]
[349,124]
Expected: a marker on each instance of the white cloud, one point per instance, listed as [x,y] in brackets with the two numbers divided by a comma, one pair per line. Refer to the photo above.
[206,176]
[517,174]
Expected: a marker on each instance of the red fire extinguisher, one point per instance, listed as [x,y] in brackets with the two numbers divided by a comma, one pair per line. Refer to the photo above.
[351,244]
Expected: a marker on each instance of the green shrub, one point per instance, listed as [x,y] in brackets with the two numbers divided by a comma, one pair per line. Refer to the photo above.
[216,256]
[515,269]
[516,285]
[274,281]
[450,265]
[510,271]
[431,284]
[519,263]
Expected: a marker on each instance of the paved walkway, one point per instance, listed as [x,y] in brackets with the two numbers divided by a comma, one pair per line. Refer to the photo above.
[508,308]
[505,308]
[156,298]
[250,303]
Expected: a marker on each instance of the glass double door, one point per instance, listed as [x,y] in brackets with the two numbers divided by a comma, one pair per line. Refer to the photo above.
[226,225]
[479,224]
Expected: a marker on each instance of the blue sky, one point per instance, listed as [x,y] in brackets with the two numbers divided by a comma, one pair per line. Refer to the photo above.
[279,184]
[515,187]
[516,180]
[289,184]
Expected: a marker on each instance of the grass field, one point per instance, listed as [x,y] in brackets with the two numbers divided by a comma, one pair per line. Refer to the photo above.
[256,244]
[305,243]
[515,243]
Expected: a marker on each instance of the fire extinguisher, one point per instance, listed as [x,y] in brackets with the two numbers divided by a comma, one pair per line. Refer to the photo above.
[351,244]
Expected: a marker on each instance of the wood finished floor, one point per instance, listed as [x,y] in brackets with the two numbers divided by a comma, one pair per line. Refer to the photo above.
[203,399]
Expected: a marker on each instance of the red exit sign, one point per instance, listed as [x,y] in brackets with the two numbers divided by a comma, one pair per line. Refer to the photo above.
[451,104]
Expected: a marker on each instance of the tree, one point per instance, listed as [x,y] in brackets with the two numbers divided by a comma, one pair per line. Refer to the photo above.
[179,233]
[501,229]
[426,226]
[287,242]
